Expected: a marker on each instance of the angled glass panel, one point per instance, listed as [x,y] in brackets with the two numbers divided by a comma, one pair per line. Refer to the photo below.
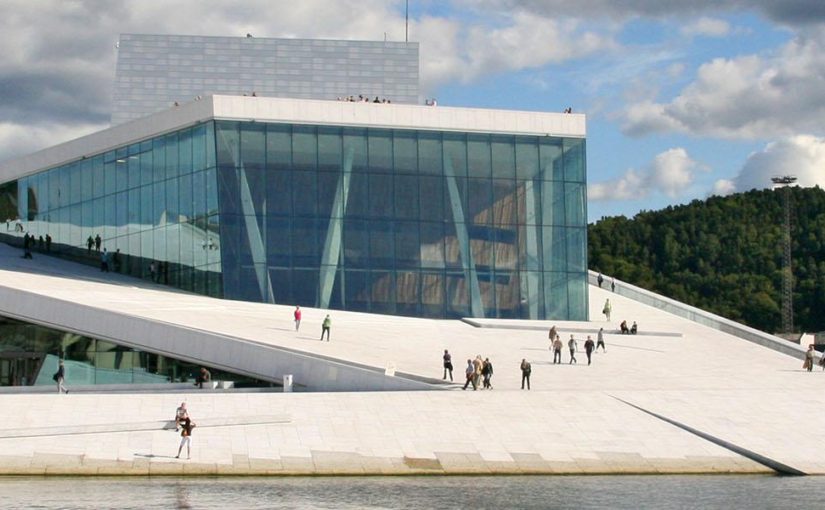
[329,149]
[405,152]
[430,158]
[380,151]
[574,159]
[503,156]
[527,158]
[550,160]
[304,148]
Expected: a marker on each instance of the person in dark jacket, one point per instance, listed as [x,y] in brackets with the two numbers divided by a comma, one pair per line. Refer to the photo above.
[487,373]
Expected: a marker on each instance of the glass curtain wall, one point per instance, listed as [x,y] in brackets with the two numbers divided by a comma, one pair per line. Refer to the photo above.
[151,204]
[29,356]
[420,223]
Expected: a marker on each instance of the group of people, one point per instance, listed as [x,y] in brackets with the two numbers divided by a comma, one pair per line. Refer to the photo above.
[632,330]
[478,372]
[600,281]
[18,226]
[364,99]
[326,326]
[556,346]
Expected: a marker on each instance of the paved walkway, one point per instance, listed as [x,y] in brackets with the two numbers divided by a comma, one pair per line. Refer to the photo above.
[571,421]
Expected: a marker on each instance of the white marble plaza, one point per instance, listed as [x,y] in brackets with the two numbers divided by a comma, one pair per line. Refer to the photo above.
[570,422]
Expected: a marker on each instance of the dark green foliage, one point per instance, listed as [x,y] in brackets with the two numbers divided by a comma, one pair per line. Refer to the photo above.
[723,255]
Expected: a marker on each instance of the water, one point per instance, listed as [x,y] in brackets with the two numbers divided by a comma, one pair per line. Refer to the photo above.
[437,492]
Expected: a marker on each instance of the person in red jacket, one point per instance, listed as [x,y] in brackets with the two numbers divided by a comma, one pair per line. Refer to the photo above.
[297,315]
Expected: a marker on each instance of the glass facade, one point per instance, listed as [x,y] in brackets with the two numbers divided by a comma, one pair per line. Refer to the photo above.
[29,356]
[153,201]
[419,223]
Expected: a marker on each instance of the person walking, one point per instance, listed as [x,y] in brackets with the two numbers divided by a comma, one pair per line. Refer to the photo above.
[552,334]
[98,242]
[557,345]
[470,373]
[572,345]
[588,348]
[186,438]
[600,340]
[526,369]
[48,243]
[478,364]
[809,358]
[89,243]
[487,373]
[325,327]
[607,309]
[60,377]
[612,284]
[297,316]
[448,365]
[600,280]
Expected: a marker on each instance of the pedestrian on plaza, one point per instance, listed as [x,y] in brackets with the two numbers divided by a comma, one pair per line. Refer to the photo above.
[181,414]
[116,260]
[60,377]
[89,243]
[41,244]
[607,309]
[600,340]
[325,327]
[623,328]
[572,345]
[634,328]
[552,334]
[809,358]
[525,373]
[186,438]
[448,365]
[612,284]
[98,242]
[478,364]
[296,315]
[487,373]
[104,261]
[588,348]
[48,243]
[470,373]
[27,246]
[204,376]
[600,279]
[557,345]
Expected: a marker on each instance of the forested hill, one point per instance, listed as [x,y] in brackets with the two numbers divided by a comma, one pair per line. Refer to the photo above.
[723,254]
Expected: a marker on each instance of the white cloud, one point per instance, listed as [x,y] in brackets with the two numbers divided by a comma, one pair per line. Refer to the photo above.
[802,156]
[748,97]
[723,187]
[670,173]
[708,27]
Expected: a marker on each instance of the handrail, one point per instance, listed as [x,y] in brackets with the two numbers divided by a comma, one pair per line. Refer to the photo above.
[702,317]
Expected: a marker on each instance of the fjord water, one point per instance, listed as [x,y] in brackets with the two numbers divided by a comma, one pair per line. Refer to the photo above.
[419,492]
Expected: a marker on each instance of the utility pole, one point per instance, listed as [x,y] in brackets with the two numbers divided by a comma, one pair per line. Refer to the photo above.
[787,270]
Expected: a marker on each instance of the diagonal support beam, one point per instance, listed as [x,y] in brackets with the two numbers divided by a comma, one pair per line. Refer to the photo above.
[330,258]
[467,263]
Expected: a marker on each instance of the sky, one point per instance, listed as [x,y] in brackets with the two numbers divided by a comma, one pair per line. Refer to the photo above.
[684,100]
